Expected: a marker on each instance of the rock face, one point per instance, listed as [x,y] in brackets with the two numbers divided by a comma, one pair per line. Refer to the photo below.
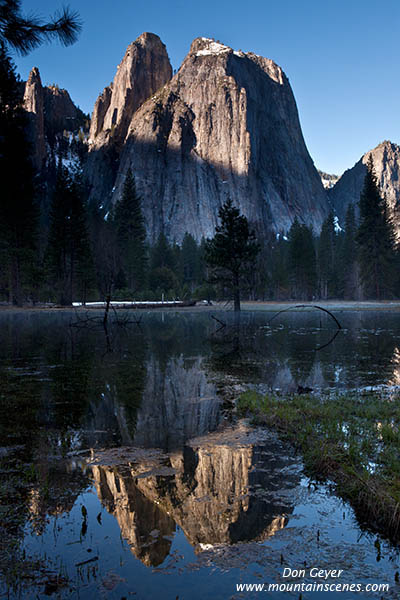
[34,105]
[328,180]
[226,125]
[50,111]
[386,158]
[231,486]
[144,69]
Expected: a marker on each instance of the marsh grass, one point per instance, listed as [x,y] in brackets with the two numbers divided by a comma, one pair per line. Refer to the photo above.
[352,440]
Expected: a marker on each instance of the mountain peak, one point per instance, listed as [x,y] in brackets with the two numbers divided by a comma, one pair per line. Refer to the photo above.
[34,77]
[148,38]
[203,46]
[144,69]
[225,126]
[386,159]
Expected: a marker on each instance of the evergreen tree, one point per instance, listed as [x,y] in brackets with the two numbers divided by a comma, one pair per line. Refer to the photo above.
[348,262]
[327,267]
[376,241]
[69,256]
[105,250]
[190,262]
[231,251]
[302,262]
[85,279]
[162,254]
[131,235]
[25,34]
[18,209]
[280,269]
[164,265]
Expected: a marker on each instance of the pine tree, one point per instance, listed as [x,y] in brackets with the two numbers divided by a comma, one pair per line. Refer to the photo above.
[231,251]
[84,275]
[376,241]
[328,285]
[348,260]
[131,235]
[302,261]
[190,262]
[162,254]
[25,34]
[69,257]
[163,262]
[280,269]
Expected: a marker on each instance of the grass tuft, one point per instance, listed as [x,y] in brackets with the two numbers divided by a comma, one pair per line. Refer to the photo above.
[353,440]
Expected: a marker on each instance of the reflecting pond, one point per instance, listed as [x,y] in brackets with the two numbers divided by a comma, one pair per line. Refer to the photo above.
[124,472]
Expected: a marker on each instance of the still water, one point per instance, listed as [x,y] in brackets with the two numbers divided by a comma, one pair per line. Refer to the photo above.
[124,473]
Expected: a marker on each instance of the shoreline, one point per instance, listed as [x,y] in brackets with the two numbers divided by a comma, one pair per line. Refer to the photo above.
[246,306]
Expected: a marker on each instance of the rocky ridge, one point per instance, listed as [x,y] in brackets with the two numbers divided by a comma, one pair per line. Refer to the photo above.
[50,111]
[386,159]
[226,125]
[328,179]
[144,69]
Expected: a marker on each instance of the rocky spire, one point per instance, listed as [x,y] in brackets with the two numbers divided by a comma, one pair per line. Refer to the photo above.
[226,125]
[34,105]
[386,159]
[144,69]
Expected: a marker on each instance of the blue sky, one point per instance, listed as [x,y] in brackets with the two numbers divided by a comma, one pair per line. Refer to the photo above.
[342,57]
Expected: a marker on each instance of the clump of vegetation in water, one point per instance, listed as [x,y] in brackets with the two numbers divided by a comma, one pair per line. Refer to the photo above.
[352,440]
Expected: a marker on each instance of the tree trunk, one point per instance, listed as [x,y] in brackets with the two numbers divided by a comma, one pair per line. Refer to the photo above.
[236,293]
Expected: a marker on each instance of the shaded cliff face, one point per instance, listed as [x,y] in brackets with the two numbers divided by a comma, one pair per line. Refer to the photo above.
[226,125]
[386,158]
[144,69]
[227,487]
[51,111]
[34,105]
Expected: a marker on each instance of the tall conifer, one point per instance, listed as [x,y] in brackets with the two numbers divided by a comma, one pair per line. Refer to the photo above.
[376,241]
[18,210]
[302,261]
[231,251]
[69,256]
[131,235]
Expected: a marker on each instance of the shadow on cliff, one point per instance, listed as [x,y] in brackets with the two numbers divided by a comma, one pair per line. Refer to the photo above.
[181,191]
[223,493]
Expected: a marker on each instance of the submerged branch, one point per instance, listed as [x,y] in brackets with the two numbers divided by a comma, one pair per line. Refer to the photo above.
[307,306]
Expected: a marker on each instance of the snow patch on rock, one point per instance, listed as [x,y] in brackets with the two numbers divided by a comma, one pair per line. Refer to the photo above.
[213,48]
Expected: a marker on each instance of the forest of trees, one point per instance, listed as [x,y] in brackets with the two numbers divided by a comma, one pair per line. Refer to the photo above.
[66,249]
[87,254]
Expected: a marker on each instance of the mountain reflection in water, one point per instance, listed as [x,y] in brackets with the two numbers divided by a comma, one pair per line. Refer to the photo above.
[165,457]
[223,488]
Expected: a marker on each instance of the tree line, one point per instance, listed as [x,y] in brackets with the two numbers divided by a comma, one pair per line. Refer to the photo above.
[72,250]
[358,260]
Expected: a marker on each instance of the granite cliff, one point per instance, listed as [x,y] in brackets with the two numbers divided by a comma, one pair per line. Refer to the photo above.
[50,112]
[386,159]
[226,125]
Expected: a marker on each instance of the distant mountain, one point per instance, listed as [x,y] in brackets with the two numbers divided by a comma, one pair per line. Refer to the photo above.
[386,159]
[328,181]
[226,125]
[51,112]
